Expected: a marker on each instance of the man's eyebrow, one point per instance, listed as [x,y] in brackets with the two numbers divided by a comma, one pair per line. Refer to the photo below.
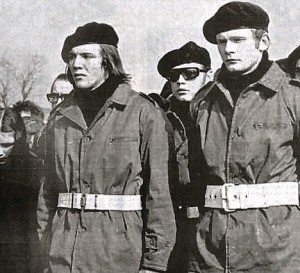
[239,36]
[82,53]
[222,39]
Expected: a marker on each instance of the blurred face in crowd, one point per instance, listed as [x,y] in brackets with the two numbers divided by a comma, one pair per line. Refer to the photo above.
[60,89]
[86,66]
[240,50]
[7,141]
[32,124]
[186,80]
[297,70]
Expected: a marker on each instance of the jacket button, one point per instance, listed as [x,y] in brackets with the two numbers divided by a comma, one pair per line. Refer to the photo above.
[151,256]
[232,226]
[234,136]
[87,138]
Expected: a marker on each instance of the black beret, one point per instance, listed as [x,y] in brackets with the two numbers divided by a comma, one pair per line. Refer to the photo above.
[188,53]
[87,34]
[235,15]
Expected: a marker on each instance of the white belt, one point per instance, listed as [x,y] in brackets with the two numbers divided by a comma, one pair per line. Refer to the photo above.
[231,197]
[99,201]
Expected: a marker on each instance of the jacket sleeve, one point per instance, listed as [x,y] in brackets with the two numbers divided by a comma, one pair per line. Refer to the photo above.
[194,193]
[47,199]
[159,219]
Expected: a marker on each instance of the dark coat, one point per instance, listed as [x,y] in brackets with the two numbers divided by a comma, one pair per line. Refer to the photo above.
[124,151]
[257,141]
[14,199]
[178,115]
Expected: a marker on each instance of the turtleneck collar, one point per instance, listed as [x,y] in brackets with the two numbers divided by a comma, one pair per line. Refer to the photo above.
[179,107]
[98,92]
[182,110]
[90,102]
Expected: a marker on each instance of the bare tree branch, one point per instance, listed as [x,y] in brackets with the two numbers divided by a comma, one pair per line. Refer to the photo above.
[22,76]
[6,70]
[28,74]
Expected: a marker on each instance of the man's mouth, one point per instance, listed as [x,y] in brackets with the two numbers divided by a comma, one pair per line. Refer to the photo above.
[3,161]
[232,61]
[79,75]
[182,91]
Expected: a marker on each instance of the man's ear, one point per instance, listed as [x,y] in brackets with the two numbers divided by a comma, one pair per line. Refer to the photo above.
[264,42]
[209,75]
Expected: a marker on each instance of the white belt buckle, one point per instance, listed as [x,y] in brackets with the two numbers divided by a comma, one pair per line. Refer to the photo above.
[83,201]
[226,201]
[78,200]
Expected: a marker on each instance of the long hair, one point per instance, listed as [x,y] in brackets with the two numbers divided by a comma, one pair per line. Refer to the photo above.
[16,168]
[112,62]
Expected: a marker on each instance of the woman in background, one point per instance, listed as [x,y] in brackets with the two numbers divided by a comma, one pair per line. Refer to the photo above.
[14,194]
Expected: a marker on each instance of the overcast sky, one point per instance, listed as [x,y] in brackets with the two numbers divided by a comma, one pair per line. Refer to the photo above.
[147,30]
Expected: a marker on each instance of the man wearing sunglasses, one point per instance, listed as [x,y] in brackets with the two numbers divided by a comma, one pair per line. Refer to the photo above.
[248,121]
[60,89]
[185,69]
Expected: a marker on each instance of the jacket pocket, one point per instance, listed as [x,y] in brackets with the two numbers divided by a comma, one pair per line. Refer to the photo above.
[122,139]
[270,126]
[121,153]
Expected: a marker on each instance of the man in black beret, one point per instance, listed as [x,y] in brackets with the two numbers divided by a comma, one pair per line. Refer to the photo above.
[104,204]
[248,121]
[185,69]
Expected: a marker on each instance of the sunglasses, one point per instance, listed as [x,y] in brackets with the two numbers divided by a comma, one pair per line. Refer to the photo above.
[54,97]
[188,73]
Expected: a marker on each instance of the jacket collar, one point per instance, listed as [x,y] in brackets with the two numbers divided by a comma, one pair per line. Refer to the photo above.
[70,109]
[272,81]
[121,94]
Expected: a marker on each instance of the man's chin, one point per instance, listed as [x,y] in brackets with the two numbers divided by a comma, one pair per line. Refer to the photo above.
[184,98]
[3,161]
[82,85]
[232,68]
[236,71]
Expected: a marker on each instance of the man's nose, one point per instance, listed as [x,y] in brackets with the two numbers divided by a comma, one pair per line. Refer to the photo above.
[229,47]
[181,79]
[77,61]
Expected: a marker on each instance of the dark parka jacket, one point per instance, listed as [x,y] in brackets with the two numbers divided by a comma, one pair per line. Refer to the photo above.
[14,195]
[177,113]
[255,141]
[124,151]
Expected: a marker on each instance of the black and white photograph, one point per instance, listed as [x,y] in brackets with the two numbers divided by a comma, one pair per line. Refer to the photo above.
[149,136]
